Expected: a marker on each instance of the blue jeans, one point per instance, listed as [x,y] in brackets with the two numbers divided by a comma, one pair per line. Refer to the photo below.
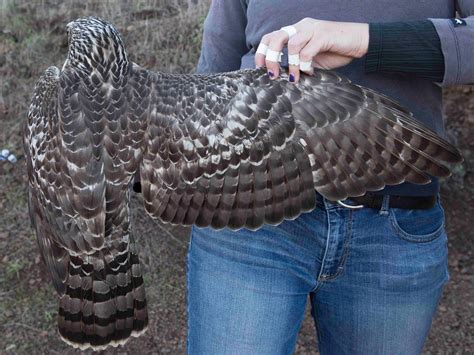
[374,278]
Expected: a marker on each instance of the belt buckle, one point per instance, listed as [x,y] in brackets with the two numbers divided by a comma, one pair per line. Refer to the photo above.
[352,207]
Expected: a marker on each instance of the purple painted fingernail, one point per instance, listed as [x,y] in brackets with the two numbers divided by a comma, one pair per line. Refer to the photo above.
[270,74]
[292,78]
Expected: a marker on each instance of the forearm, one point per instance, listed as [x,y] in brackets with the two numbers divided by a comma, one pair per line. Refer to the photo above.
[457,44]
[439,49]
[405,47]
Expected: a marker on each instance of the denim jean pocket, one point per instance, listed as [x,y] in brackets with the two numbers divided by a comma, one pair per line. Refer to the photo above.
[419,226]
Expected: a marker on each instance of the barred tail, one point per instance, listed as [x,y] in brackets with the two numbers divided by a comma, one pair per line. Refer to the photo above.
[104,303]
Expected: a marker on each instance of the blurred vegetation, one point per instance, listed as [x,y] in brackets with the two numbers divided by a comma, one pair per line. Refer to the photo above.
[159,34]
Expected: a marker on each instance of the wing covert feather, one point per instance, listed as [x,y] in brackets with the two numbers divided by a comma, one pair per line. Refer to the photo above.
[240,150]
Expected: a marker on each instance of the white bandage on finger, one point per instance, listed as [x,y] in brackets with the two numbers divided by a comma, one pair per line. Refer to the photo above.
[290,30]
[306,66]
[294,59]
[273,56]
[262,48]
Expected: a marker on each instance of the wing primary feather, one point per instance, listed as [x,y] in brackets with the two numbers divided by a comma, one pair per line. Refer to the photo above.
[399,169]
[417,157]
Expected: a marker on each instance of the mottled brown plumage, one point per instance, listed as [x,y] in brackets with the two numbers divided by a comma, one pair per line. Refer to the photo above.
[239,150]
[83,147]
[224,150]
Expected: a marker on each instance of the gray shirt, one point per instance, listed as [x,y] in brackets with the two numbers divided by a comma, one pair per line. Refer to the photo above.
[233,29]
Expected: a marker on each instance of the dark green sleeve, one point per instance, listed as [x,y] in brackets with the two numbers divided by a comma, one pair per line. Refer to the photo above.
[405,47]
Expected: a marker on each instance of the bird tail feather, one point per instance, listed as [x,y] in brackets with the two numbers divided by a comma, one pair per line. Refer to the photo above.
[104,302]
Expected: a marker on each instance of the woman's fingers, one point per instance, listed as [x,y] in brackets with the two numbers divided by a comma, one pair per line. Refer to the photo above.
[322,44]
[262,51]
[295,45]
[272,60]
[301,49]
[268,53]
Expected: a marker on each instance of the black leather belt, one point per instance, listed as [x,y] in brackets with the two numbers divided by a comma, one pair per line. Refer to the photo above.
[404,202]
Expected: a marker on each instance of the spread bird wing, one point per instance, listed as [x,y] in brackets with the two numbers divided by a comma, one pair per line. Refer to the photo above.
[239,150]
[66,183]
[81,157]
[88,153]
[44,175]
[82,150]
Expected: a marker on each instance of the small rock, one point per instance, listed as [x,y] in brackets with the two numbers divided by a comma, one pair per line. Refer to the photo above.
[12,159]
[5,154]
[454,263]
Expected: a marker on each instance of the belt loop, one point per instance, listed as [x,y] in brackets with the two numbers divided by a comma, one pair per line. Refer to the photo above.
[326,203]
[385,205]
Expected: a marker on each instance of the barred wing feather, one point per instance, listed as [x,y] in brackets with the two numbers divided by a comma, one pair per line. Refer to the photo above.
[240,150]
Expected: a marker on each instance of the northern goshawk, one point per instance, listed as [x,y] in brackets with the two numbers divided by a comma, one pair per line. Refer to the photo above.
[223,150]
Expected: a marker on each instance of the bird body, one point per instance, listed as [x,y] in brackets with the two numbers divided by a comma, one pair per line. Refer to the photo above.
[82,152]
[223,150]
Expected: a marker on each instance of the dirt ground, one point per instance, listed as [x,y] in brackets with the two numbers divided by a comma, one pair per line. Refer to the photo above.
[32,38]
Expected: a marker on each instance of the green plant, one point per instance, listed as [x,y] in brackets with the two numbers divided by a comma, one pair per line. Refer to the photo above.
[13,269]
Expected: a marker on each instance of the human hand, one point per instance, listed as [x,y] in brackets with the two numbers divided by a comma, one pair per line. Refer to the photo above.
[316,43]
